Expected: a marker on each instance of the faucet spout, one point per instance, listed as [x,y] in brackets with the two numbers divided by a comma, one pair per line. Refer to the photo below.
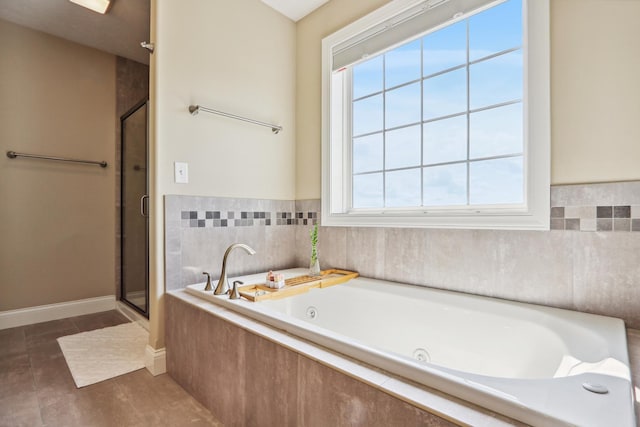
[223,282]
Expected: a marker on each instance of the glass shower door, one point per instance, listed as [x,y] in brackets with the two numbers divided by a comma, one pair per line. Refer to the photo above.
[134,210]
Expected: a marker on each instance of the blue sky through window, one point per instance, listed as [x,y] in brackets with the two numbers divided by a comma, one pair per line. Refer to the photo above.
[445,49]
[442,116]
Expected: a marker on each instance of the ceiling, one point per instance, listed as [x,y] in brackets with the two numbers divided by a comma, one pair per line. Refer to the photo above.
[121,30]
[295,9]
[118,32]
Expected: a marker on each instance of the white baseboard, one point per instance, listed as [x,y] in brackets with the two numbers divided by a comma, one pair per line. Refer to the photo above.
[155,360]
[45,313]
[132,315]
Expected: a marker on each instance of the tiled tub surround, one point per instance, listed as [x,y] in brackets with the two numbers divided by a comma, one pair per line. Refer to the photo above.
[252,374]
[596,218]
[197,243]
[595,272]
[522,353]
[590,271]
[199,229]
[596,207]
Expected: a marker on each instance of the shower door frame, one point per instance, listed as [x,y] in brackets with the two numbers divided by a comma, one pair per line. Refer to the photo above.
[123,118]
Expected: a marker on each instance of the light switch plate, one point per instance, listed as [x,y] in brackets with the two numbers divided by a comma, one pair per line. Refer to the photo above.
[181,172]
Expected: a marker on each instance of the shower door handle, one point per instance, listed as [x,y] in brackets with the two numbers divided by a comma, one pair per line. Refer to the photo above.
[143,211]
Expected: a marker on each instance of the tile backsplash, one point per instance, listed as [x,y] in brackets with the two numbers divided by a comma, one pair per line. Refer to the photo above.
[596,207]
[597,270]
[195,219]
[199,229]
[596,218]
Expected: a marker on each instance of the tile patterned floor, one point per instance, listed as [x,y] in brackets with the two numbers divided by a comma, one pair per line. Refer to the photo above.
[36,388]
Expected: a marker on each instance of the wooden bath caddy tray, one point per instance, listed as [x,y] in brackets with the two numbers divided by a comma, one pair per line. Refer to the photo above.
[296,285]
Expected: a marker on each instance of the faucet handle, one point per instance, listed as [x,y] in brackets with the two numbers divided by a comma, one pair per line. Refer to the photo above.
[235,294]
[208,287]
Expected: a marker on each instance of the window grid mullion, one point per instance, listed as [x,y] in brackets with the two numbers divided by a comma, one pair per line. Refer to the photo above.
[384,130]
[421,122]
[468,68]
[454,162]
[350,90]
[440,118]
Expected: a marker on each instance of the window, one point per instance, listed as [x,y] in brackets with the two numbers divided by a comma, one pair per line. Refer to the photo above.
[436,114]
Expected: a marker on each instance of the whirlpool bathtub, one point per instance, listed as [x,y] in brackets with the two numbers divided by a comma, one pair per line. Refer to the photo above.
[536,364]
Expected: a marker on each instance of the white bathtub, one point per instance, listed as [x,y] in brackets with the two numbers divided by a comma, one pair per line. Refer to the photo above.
[525,361]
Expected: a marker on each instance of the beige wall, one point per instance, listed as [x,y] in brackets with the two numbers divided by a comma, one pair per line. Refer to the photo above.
[238,57]
[234,56]
[595,89]
[56,219]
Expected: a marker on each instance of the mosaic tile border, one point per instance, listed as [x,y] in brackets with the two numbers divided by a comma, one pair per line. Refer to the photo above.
[214,219]
[624,218]
[621,218]
[600,207]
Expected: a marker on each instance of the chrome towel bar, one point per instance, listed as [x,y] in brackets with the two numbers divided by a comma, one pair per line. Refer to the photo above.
[13,155]
[195,109]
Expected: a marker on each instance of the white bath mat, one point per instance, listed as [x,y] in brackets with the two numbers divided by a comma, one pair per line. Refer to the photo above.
[98,355]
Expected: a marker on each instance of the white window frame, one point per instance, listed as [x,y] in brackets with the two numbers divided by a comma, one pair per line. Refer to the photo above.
[336,154]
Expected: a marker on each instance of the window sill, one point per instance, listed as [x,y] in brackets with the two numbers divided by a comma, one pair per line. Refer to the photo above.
[470,220]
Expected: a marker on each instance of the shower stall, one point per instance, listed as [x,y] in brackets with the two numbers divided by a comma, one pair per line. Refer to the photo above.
[134,210]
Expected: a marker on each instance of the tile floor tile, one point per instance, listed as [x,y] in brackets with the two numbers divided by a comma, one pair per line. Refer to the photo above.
[53,381]
[45,328]
[12,341]
[15,376]
[105,319]
[20,409]
[47,332]
[44,353]
[98,405]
